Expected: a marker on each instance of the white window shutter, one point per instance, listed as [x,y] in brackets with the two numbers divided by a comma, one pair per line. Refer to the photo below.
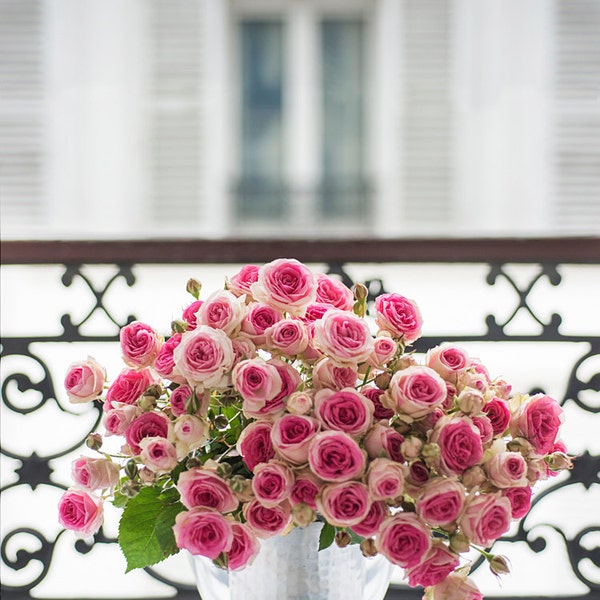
[577,116]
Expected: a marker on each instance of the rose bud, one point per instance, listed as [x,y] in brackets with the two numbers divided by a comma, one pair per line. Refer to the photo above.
[499,565]
[342,539]
[368,548]
[303,514]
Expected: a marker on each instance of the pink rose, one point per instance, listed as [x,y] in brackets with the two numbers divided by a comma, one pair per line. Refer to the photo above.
[403,539]
[305,489]
[128,387]
[300,403]
[344,337]
[374,395]
[158,454]
[267,521]
[164,364]
[272,483]
[332,291]
[243,349]
[369,526]
[190,433]
[240,283]
[203,531]
[485,518]
[223,311]
[498,413]
[441,502]
[416,479]
[205,357]
[148,424]
[507,469]
[335,456]
[447,360]
[117,420]
[436,565]
[244,548]
[384,349]
[179,398]
[398,315]
[486,431]
[314,312]
[285,284]
[539,421]
[291,436]
[470,401]
[385,479]
[259,317]
[417,391]
[257,381]
[190,314]
[80,512]
[95,473]
[344,504]
[460,444]
[254,444]
[288,337]
[383,440]
[455,587]
[201,487]
[328,374]
[139,344]
[84,381]
[345,410]
[520,500]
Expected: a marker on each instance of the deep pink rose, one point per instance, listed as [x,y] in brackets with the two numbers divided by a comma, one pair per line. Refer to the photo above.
[244,548]
[80,512]
[314,312]
[498,413]
[128,387]
[383,440]
[190,314]
[291,436]
[240,283]
[288,337]
[403,539]
[441,501]
[486,430]
[416,478]
[139,344]
[398,315]
[485,518]
[332,291]
[267,521]
[94,473]
[344,410]
[222,310]
[164,364]
[158,454]
[286,284]
[520,500]
[369,526]
[259,317]
[84,381]
[448,360]
[335,456]
[539,421]
[343,336]
[148,424]
[436,565]
[344,504]
[385,479]
[328,374]
[117,420]
[203,531]
[201,487]
[272,483]
[306,487]
[384,349]
[374,395]
[507,469]
[460,444]
[254,444]
[257,381]
[179,399]
[417,391]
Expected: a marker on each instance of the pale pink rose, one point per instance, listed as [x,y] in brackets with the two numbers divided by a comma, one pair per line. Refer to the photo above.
[486,431]
[501,388]
[148,424]
[129,387]
[288,337]
[244,548]
[158,454]
[305,489]
[344,504]
[403,539]
[370,525]
[383,441]
[384,349]
[117,420]
[344,410]
[80,512]
[243,349]
[441,501]
[344,337]
[286,284]
[267,521]
[203,531]
[470,401]
[507,469]
[140,344]
[291,436]
[272,483]
[436,565]
[95,473]
[254,444]
[335,456]
[164,364]
[485,518]
[520,500]
[411,447]
[455,587]
[84,381]
[460,444]
[300,403]
[202,487]
[472,379]
[451,392]
[374,395]
[205,357]
[257,381]
[478,367]
[385,479]
[190,314]
[328,374]
[190,433]
[398,315]
[498,413]
[222,310]
[259,317]
[539,421]
[448,360]
[417,391]
[332,291]
[240,283]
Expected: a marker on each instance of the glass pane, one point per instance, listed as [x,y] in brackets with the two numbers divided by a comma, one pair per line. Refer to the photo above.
[260,194]
[343,141]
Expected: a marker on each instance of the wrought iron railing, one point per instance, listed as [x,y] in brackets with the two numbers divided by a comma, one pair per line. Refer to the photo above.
[24,544]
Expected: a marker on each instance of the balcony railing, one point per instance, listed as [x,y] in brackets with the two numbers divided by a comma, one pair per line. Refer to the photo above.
[55,294]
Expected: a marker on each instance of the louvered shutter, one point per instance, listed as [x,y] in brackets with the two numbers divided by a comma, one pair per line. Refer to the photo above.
[427,120]
[21,113]
[175,123]
[577,116]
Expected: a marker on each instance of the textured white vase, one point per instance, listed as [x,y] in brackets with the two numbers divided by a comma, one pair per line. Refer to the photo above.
[291,568]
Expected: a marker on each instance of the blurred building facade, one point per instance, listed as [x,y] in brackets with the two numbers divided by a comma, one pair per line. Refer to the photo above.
[299,118]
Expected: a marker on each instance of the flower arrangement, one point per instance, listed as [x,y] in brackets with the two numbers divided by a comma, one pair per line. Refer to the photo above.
[272,405]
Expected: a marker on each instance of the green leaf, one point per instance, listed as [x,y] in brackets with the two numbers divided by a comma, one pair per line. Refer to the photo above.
[354,537]
[146,529]
[120,500]
[327,536]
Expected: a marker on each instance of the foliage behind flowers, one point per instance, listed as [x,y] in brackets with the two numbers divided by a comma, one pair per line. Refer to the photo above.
[271,405]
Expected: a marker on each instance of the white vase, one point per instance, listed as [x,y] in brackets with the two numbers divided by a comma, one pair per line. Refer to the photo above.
[292,568]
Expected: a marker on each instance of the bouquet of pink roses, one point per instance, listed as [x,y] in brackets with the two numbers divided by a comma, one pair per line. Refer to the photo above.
[272,404]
